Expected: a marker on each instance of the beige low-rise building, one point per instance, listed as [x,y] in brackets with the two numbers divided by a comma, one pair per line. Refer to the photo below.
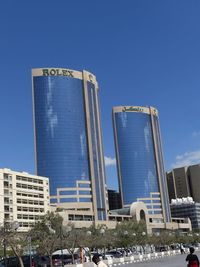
[80,217]
[23,198]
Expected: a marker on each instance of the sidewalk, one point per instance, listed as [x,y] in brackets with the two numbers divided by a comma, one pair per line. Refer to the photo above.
[132,259]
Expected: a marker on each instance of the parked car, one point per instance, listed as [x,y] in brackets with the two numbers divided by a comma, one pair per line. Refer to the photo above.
[108,256]
[36,261]
[58,259]
[115,253]
[161,248]
[14,262]
[96,253]
[128,252]
[40,261]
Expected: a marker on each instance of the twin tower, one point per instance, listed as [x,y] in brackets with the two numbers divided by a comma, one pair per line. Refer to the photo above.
[69,146]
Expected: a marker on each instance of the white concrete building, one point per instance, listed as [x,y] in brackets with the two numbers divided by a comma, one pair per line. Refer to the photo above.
[23,198]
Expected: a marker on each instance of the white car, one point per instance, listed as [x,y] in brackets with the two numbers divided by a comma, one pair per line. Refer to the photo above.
[108,257]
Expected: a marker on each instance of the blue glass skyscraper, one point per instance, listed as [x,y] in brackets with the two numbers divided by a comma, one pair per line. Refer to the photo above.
[139,158]
[68,138]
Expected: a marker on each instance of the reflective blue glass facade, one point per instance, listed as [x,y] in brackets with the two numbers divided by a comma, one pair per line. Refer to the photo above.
[136,155]
[139,157]
[61,142]
[68,141]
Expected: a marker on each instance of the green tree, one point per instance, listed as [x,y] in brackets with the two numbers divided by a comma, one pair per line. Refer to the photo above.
[46,234]
[13,239]
[72,239]
[130,233]
[98,237]
[165,238]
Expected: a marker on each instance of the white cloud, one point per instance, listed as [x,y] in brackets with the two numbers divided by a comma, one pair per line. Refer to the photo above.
[195,133]
[188,158]
[109,161]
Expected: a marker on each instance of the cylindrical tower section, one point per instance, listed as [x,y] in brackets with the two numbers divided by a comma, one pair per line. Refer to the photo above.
[139,158]
[68,143]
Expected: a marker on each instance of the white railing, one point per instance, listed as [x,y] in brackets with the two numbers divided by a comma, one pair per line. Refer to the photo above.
[131,259]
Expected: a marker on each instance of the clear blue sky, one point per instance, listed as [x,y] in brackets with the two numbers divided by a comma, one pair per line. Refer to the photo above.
[142,53]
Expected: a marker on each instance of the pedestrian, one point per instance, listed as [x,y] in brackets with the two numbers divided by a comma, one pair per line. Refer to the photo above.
[98,261]
[182,249]
[192,259]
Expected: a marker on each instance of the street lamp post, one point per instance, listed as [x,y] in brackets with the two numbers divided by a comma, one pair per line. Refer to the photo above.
[125,233]
[144,234]
[4,252]
[102,232]
[61,245]
[134,237]
[88,234]
[30,249]
[67,231]
[126,245]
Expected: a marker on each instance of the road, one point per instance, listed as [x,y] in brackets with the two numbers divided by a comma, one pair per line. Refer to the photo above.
[174,261]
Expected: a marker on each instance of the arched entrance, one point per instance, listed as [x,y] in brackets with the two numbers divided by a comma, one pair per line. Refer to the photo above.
[142,215]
